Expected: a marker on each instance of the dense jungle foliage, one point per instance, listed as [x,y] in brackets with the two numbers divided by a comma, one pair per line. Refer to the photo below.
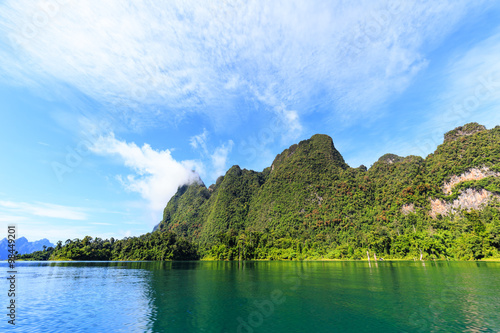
[311,205]
[151,246]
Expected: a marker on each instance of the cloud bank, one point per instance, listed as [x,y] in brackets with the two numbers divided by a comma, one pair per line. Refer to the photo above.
[157,175]
[187,55]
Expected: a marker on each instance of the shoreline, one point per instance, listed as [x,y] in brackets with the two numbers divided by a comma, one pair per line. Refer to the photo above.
[266,260]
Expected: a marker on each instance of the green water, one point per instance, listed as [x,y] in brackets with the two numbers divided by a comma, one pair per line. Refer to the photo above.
[257,297]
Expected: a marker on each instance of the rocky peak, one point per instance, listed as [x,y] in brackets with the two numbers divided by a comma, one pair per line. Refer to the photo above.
[466,130]
[319,145]
[390,159]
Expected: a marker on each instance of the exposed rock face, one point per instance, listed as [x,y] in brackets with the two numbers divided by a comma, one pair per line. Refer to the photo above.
[468,199]
[472,174]
[408,208]
[467,129]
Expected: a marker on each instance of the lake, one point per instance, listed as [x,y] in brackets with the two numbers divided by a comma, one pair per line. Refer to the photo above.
[340,296]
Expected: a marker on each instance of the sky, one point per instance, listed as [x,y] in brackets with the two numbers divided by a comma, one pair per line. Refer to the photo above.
[108,106]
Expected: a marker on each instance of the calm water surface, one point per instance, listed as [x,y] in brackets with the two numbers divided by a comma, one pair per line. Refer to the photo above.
[255,297]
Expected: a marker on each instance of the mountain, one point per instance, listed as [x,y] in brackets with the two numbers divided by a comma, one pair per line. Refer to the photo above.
[23,246]
[310,204]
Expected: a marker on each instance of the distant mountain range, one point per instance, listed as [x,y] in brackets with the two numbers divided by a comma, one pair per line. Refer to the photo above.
[23,246]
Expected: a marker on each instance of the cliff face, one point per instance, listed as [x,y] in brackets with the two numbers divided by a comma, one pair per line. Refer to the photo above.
[469,175]
[244,199]
[309,192]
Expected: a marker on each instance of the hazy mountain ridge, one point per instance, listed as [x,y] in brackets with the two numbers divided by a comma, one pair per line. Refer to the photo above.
[23,246]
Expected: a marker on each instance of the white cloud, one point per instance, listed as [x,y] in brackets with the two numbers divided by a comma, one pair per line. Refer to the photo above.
[219,159]
[285,121]
[186,55]
[200,141]
[45,210]
[219,156]
[292,125]
[157,175]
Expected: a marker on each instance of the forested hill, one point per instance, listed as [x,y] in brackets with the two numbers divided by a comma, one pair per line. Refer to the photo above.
[310,204]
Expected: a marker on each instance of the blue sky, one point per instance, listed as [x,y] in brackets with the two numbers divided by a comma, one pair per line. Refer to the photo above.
[107,106]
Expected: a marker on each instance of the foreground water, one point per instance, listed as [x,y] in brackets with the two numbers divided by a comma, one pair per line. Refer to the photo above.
[255,297]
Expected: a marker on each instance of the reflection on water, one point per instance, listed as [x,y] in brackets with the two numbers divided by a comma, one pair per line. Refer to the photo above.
[257,297]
